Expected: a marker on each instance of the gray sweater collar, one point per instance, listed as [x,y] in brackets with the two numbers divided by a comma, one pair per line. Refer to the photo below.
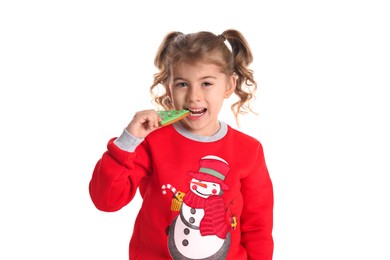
[205,139]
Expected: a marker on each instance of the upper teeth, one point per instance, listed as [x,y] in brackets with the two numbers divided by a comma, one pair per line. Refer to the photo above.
[197,110]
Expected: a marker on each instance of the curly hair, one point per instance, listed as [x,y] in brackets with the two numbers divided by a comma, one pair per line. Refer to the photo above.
[207,47]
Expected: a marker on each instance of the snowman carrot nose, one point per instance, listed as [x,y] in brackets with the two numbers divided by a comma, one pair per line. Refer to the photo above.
[203,185]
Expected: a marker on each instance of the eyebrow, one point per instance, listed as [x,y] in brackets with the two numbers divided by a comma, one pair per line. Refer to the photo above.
[202,78]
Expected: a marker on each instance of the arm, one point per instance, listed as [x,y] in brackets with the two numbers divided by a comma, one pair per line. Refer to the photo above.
[117,174]
[257,214]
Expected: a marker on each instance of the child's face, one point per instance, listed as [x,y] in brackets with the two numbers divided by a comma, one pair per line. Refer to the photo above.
[201,88]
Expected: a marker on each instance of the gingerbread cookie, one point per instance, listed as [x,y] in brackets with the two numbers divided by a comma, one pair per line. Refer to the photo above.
[171,116]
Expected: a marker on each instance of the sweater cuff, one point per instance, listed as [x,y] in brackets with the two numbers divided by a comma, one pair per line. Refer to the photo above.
[128,142]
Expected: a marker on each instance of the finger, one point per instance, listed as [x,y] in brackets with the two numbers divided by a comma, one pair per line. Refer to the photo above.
[158,119]
[153,119]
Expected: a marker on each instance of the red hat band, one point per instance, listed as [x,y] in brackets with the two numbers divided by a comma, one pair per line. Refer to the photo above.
[212,170]
[215,168]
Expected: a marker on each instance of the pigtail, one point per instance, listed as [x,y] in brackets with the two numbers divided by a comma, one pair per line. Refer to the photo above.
[161,62]
[246,84]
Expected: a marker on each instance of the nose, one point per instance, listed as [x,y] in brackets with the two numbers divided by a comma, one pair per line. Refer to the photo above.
[203,185]
[194,94]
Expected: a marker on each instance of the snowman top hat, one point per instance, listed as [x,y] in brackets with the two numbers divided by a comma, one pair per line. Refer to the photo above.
[213,169]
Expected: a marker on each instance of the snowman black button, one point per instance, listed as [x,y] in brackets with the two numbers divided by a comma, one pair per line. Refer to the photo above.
[192,220]
[185,242]
[193,211]
[186,231]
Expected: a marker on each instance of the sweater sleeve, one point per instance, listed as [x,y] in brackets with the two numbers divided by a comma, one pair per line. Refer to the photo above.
[117,175]
[257,214]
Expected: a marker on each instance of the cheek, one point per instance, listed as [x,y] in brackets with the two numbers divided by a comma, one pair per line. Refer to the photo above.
[214,191]
[177,100]
[194,187]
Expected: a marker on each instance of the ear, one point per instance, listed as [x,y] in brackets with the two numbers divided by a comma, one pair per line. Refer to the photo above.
[231,86]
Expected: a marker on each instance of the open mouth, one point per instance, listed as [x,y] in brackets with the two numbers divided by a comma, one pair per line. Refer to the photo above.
[197,111]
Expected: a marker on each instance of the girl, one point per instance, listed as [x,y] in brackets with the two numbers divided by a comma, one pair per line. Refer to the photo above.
[205,186]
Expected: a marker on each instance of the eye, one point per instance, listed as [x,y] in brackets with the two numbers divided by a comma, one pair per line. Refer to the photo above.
[181,84]
[206,84]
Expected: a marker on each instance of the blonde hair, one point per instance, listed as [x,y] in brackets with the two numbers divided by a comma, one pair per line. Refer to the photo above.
[210,48]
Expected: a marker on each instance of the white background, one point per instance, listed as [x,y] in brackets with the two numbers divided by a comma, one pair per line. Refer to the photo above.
[72,74]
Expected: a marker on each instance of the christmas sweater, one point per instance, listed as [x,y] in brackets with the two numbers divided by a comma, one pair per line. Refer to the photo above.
[203,197]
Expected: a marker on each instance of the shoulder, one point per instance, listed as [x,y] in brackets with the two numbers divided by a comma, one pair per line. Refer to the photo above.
[246,142]
[242,136]
[163,134]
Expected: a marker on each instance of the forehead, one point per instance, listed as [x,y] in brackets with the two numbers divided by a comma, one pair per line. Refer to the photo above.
[197,68]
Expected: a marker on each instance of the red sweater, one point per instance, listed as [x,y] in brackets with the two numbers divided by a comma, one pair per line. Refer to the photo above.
[202,199]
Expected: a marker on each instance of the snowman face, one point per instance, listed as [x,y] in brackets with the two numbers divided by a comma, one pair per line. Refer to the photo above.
[205,188]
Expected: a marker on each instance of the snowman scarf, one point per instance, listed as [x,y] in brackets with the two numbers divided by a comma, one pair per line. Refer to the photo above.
[213,222]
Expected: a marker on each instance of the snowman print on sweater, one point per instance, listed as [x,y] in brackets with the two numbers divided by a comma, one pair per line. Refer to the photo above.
[200,230]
